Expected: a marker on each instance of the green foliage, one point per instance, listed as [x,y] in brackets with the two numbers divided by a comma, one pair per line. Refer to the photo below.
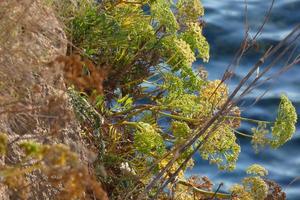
[84,111]
[147,140]
[162,13]
[124,103]
[115,34]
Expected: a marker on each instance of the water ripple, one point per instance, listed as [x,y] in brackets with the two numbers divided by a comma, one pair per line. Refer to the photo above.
[224,31]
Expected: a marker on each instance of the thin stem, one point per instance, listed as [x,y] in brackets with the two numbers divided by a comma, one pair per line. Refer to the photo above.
[249,120]
[149,82]
[178,117]
[135,124]
[143,107]
[243,134]
[205,193]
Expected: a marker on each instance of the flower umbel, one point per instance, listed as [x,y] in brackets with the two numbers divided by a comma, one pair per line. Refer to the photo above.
[284,126]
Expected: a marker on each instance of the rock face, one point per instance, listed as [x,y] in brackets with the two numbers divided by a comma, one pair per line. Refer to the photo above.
[33,103]
[31,29]
[30,37]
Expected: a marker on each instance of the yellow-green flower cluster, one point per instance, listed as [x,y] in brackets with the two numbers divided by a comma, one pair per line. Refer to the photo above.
[254,187]
[193,36]
[179,55]
[283,129]
[163,163]
[182,99]
[189,10]
[259,138]
[184,50]
[284,126]
[180,130]
[239,193]
[256,169]
[187,105]
[221,148]
[215,92]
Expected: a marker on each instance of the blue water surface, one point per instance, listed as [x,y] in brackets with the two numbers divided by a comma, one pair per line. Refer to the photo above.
[225,30]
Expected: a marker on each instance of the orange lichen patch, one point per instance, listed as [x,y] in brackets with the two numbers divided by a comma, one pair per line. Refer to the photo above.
[83,74]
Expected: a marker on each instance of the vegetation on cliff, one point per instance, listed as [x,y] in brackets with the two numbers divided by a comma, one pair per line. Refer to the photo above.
[144,110]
